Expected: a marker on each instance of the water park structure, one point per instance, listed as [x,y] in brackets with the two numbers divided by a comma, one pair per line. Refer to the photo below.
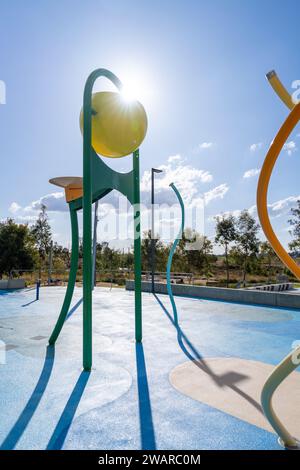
[209,362]
[114,128]
[288,365]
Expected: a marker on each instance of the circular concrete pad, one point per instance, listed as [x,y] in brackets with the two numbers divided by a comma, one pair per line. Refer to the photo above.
[233,385]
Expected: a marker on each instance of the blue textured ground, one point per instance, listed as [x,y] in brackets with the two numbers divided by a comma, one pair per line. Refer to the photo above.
[127,401]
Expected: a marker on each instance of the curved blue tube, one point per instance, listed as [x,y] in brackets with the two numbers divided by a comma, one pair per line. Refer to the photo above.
[172,251]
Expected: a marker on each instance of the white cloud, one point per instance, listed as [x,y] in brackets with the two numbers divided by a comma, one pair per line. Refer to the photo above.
[206,145]
[252,210]
[251,173]
[203,146]
[216,193]
[14,207]
[189,180]
[25,218]
[175,158]
[54,202]
[290,147]
[254,147]
[276,209]
[186,177]
[284,205]
[234,213]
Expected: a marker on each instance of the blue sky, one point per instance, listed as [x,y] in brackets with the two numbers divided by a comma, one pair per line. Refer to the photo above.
[201,68]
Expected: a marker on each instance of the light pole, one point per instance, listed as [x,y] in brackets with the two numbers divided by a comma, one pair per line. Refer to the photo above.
[153,170]
[50,263]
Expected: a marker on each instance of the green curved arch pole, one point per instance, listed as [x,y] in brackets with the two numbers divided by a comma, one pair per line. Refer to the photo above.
[172,251]
[72,277]
[87,211]
[98,180]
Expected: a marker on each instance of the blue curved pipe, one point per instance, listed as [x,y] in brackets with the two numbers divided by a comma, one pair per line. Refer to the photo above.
[172,251]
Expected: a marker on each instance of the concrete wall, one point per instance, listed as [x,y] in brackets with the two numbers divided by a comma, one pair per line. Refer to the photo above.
[275,299]
[12,284]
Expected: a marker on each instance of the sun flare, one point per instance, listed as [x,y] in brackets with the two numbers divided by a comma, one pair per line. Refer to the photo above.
[134,90]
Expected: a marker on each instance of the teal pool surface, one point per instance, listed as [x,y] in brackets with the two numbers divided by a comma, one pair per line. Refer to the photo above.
[127,401]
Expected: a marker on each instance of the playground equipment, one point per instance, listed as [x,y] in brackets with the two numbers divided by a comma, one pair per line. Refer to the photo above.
[172,251]
[288,365]
[113,128]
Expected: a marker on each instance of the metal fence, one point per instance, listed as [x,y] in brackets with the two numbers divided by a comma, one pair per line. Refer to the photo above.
[115,277]
[118,277]
[60,277]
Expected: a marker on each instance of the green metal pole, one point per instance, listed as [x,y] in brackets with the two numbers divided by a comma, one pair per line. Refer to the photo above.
[72,278]
[87,226]
[137,248]
[87,211]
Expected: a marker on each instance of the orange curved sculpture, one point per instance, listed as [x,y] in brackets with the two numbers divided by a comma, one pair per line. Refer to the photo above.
[280,89]
[288,365]
[262,188]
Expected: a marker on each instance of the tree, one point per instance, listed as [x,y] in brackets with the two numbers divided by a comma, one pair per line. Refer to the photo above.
[159,250]
[268,255]
[294,245]
[194,252]
[146,251]
[225,234]
[128,260]
[41,232]
[17,251]
[206,253]
[107,258]
[61,256]
[247,240]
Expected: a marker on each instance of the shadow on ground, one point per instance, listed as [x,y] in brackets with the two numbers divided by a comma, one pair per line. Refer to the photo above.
[22,422]
[230,379]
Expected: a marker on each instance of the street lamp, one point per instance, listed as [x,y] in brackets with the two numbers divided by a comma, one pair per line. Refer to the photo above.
[153,170]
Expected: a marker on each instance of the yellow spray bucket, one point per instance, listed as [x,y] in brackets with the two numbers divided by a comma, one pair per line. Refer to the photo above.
[118,126]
